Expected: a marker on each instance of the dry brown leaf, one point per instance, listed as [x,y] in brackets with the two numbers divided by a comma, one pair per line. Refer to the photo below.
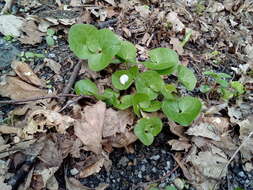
[40,120]
[111,2]
[179,145]
[53,65]
[177,25]
[210,127]
[122,139]
[32,34]
[177,46]
[92,169]
[17,89]
[116,122]
[178,130]
[90,128]
[143,10]
[25,72]
[246,127]
[75,3]
[5,129]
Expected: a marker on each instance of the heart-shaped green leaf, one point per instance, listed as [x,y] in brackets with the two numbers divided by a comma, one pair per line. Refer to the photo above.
[162,58]
[110,97]
[147,128]
[183,110]
[127,52]
[86,87]
[154,106]
[125,102]
[77,38]
[104,45]
[186,77]
[140,101]
[150,83]
[123,79]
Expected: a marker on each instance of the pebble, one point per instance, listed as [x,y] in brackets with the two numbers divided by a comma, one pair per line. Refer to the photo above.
[74,171]
[143,168]
[241,174]
[155,157]
[123,161]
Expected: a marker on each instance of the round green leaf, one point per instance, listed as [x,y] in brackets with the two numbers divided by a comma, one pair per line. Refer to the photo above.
[139,101]
[238,87]
[186,77]
[104,45]
[162,58]
[147,128]
[50,32]
[86,87]
[154,106]
[149,82]
[122,79]
[183,110]
[125,102]
[77,38]
[127,52]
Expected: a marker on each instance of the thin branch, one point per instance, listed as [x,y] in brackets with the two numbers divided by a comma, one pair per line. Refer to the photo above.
[23,101]
[71,80]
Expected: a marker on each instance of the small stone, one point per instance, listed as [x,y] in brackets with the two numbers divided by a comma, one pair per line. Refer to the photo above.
[139,175]
[123,161]
[155,157]
[241,174]
[143,168]
[74,171]
[154,170]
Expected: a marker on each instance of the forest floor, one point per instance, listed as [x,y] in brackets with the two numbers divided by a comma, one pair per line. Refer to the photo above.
[40,147]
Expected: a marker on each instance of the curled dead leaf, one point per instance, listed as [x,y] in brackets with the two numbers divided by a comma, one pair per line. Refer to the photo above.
[25,72]
[17,89]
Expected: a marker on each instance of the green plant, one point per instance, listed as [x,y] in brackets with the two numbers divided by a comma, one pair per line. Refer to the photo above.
[50,37]
[227,89]
[102,48]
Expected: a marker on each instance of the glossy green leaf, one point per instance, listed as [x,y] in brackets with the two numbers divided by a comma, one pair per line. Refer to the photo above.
[125,102]
[162,58]
[50,32]
[104,45]
[77,38]
[140,101]
[153,106]
[127,52]
[167,71]
[226,94]
[122,80]
[238,87]
[86,87]
[182,110]
[150,83]
[186,77]
[204,88]
[167,91]
[147,128]
[170,187]
[110,97]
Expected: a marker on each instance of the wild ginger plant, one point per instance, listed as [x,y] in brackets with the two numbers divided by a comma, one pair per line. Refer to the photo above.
[103,47]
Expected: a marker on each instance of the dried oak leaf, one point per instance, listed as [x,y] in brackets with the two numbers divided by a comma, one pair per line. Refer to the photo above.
[25,72]
[89,129]
[92,168]
[17,89]
[32,34]
[177,25]
[40,120]
[179,145]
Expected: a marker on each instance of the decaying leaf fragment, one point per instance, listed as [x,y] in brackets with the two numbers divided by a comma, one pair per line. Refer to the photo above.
[25,72]
[17,89]
[40,120]
[32,34]
[89,128]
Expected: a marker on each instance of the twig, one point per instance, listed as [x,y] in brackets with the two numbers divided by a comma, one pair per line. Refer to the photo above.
[71,102]
[38,98]
[233,156]
[106,23]
[72,79]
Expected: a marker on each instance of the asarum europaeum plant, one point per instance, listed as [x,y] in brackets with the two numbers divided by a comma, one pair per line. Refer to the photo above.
[103,47]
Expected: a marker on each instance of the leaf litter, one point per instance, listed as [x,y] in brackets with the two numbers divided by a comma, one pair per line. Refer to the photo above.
[207,145]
